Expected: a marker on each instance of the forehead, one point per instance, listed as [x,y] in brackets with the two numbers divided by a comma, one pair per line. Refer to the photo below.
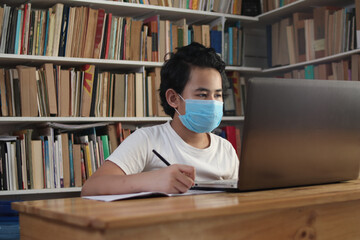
[208,78]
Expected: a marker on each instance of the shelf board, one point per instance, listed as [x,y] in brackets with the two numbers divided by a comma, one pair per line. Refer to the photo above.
[140,10]
[315,61]
[11,59]
[41,191]
[243,69]
[104,64]
[299,5]
[28,120]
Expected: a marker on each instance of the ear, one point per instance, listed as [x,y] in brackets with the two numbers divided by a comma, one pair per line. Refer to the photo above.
[172,98]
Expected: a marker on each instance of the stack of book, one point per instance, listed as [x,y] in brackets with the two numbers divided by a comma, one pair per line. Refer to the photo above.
[85,32]
[308,36]
[56,156]
[53,91]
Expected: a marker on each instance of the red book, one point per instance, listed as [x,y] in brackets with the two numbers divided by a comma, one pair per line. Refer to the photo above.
[23,29]
[98,33]
[230,132]
[108,36]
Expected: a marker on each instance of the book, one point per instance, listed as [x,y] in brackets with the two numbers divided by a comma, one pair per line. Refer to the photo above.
[99,33]
[77,164]
[110,198]
[37,164]
[119,95]
[58,9]
[64,93]
[139,95]
[90,33]
[87,89]
[48,69]
[106,146]
[63,137]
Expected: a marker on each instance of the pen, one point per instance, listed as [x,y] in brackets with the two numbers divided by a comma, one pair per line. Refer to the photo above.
[161,157]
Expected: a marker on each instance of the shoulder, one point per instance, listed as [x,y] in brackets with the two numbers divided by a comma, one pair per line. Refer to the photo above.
[153,130]
[220,141]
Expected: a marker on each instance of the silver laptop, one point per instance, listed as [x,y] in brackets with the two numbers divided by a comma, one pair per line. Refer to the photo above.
[297,132]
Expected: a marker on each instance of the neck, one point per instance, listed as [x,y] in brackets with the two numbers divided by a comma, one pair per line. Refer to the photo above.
[197,140]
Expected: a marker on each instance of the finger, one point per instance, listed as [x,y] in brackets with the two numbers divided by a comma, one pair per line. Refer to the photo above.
[180,187]
[186,181]
[187,170]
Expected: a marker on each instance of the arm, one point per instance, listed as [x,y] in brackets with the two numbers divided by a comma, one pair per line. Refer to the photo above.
[111,179]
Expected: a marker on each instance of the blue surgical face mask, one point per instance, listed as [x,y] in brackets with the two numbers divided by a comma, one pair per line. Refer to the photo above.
[201,115]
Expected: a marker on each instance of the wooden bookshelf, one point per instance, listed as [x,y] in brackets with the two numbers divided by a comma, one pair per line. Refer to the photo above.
[135,11]
[139,11]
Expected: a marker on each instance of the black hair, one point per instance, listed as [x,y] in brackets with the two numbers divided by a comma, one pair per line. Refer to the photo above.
[176,71]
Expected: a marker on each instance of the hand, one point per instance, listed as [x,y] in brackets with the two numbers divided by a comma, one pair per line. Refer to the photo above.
[176,178]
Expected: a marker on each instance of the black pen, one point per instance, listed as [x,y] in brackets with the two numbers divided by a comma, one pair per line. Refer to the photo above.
[161,157]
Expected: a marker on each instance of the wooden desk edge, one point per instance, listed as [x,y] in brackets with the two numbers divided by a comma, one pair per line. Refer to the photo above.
[245,204]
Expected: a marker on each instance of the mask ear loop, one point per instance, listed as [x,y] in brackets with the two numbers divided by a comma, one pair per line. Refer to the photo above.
[183,100]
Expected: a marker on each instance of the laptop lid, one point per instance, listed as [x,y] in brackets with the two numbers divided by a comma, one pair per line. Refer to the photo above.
[299,132]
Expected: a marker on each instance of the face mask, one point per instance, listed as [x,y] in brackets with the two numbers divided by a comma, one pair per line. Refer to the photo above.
[201,115]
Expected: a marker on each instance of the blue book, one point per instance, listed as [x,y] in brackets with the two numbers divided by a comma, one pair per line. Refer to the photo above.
[46,31]
[189,36]
[230,46]
[216,41]
[71,161]
[10,231]
[309,72]
[269,45]
[171,45]
[9,219]
[47,163]
[18,32]
[5,209]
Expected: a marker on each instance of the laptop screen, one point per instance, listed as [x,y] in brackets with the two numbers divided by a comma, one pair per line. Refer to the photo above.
[299,132]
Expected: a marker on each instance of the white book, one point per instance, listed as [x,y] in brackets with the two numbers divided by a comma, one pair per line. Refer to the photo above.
[110,198]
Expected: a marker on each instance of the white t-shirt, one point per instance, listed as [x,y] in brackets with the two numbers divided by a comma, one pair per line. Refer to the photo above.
[134,155]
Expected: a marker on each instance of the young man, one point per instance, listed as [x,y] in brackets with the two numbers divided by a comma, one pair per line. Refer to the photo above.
[191,93]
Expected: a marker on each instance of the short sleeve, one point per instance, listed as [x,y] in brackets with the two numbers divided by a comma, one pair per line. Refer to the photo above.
[131,154]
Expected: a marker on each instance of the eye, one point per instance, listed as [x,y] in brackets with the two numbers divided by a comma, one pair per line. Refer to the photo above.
[218,95]
[202,95]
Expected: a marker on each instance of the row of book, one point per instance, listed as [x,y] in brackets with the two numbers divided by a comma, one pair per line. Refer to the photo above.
[56,155]
[235,95]
[230,6]
[62,155]
[91,33]
[52,91]
[269,5]
[346,69]
[307,36]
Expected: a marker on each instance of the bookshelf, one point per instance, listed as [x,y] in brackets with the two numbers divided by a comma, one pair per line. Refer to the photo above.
[303,5]
[337,61]
[135,11]
[139,11]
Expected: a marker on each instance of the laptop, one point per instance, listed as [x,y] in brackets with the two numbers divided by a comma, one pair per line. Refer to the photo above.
[297,132]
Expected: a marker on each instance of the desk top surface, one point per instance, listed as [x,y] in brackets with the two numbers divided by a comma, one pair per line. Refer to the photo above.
[137,212]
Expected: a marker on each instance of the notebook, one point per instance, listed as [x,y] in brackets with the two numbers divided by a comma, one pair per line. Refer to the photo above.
[297,132]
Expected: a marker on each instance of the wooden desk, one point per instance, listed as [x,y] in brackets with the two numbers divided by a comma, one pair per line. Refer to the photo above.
[316,212]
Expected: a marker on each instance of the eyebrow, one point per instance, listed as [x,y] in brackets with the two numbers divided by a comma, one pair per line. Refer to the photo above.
[206,90]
